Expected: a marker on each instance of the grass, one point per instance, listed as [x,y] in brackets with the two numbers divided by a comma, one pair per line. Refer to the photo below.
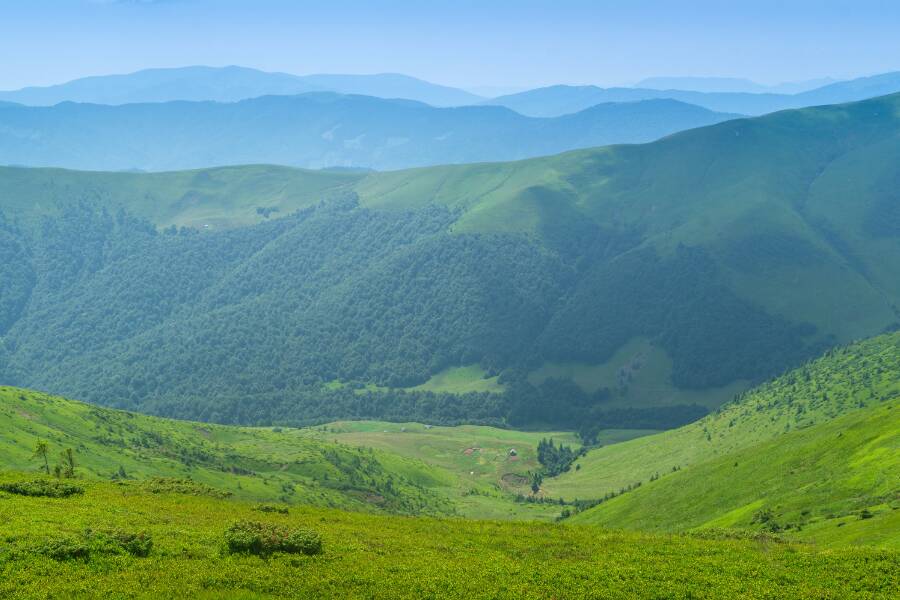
[846,379]
[832,483]
[461,380]
[369,556]
[370,466]
[251,463]
[481,475]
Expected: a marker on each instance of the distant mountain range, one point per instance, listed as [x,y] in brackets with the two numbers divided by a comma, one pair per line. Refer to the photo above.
[731,84]
[564,99]
[316,130]
[230,84]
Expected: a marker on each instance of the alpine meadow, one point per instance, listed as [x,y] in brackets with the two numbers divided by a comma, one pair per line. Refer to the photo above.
[596,316]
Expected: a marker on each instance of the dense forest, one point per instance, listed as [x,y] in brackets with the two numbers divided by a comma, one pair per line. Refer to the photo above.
[254,324]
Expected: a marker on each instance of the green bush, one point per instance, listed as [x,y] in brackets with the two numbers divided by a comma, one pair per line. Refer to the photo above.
[64,548]
[122,542]
[272,508]
[42,487]
[90,543]
[263,539]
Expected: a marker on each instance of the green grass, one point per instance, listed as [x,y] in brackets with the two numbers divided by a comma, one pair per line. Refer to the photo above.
[848,378]
[461,380]
[252,463]
[370,466]
[819,483]
[368,556]
[482,478]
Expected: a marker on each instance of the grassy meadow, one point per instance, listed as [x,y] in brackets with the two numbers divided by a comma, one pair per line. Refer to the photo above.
[369,556]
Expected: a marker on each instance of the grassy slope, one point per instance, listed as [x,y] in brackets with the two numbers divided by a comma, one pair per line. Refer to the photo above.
[461,380]
[367,556]
[252,463]
[863,374]
[476,458]
[821,478]
[344,464]
[223,197]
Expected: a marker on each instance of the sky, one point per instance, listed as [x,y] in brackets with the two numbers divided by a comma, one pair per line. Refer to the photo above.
[465,43]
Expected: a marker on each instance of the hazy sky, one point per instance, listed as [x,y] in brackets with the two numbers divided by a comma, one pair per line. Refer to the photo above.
[456,42]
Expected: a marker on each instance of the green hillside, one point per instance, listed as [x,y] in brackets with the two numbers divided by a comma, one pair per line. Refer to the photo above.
[254,464]
[835,482]
[629,287]
[847,379]
[367,556]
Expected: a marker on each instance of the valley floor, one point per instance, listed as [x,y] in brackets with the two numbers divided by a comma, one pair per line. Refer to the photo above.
[368,556]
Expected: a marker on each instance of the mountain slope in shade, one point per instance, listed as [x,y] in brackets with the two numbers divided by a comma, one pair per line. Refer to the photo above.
[230,84]
[563,99]
[315,130]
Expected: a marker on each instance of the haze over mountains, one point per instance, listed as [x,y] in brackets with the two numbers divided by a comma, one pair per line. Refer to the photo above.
[564,99]
[319,129]
[230,84]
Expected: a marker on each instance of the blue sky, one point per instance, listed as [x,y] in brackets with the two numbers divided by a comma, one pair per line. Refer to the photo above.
[520,43]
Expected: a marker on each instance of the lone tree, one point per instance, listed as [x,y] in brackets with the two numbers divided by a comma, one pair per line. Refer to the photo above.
[68,460]
[40,451]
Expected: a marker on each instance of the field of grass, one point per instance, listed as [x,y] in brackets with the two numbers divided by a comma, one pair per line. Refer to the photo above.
[481,474]
[369,556]
[639,374]
[369,465]
[832,483]
[845,380]
[461,380]
[253,463]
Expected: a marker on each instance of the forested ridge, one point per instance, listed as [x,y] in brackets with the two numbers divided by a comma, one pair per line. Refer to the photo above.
[248,325]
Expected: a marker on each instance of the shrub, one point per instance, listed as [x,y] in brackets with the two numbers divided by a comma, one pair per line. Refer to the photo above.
[91,543]
[42,487]
[122,542]
[64,548]
[167,485]
[263,539]
[272,508]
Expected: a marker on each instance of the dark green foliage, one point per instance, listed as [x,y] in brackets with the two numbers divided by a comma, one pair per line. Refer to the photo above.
[166,485]
[264,539]
[713,336]
[555,459]
[89,543]
[42,487]
[272,508]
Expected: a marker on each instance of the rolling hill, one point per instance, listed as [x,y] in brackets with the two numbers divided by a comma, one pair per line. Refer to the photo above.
[635,286]
[252,464]
[231,84]
[564,99]
[812,453]
[316,130]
